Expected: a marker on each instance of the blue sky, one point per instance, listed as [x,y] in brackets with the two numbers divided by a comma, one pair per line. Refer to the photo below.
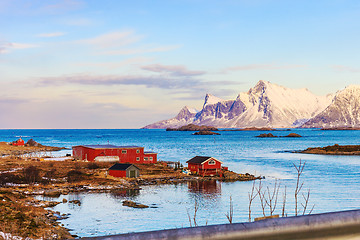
[125,64]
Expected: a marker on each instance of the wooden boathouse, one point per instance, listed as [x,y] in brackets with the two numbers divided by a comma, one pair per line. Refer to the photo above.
[124,170]
[205,166]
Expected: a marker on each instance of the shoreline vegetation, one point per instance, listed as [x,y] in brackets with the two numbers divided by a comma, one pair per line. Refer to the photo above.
[333,150]
[24,176]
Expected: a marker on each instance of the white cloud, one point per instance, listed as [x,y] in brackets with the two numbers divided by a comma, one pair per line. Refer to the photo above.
[262,67]
[175,70]
[122,43]
[140,50]
[114,65]
[52,34]
[6,47]
[113,39]
[77,22]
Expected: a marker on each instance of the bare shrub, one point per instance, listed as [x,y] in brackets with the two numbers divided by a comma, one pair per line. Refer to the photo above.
[75,176]
[92,165]
[31,174]
[9,178]
[252,196]
[193,219]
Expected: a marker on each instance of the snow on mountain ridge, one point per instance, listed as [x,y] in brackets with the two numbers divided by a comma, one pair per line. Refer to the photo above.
[264,105]
[211,99]
[344,110]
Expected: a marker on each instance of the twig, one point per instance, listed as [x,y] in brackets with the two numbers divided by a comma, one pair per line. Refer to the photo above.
[251,198]
[230,214]
[284,203]
[299,185]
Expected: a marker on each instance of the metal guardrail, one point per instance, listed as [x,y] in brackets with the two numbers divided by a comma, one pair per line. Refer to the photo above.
[334,225]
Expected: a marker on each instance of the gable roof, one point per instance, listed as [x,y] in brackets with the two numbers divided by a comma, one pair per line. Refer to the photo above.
[201,160]
[122,166]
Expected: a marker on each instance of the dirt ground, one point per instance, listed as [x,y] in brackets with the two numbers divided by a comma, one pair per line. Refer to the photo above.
[22,176]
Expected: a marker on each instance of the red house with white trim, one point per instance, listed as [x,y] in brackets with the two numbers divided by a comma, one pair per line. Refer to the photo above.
[205,166]
[112,153]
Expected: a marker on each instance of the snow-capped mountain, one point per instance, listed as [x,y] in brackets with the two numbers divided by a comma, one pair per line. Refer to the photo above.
[344,110]
[184,117]
[265,105]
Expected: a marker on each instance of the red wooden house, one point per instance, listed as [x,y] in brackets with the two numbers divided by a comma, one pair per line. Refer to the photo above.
[18,142]
[112,153]
[124,170]
[205,166]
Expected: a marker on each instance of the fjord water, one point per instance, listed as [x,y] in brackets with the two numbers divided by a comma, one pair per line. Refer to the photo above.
[334,181]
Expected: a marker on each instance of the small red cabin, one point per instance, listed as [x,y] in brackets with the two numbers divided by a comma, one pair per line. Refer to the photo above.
[124,170]
[18,142]
[205,166]
[112,153]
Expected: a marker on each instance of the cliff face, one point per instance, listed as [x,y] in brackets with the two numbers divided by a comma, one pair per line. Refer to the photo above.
[264,105]
[344,111]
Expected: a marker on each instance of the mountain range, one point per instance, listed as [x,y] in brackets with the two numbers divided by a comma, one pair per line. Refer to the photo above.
[272,105]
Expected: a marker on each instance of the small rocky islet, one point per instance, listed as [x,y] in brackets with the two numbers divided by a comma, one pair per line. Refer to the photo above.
[333,150]
[270,135]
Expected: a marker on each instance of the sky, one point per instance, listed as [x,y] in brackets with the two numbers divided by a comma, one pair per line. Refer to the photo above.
[125,64]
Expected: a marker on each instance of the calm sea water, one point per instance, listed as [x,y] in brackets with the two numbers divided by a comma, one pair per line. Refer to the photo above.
[334,181]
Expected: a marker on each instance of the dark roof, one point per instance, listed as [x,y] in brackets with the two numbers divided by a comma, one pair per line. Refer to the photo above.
[121,166]
[198,159]
[106,146]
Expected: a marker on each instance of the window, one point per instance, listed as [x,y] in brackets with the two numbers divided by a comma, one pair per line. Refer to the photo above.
[146,159]
[211,162]
[137,159]
[123,151]
[137,151]
[151,158]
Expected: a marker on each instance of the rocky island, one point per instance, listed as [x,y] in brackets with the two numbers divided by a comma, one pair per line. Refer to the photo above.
[193,127]
[334,150]
[205,132]
[270,135]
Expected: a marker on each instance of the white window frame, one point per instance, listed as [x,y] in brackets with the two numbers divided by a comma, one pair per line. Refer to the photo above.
[137,158]
[212,162]
[124,151]
[146,159]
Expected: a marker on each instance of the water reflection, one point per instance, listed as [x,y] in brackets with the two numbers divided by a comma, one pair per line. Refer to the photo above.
[210,187]
[120,194]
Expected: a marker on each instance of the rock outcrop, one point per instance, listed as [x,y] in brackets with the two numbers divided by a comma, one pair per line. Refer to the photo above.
[343,112]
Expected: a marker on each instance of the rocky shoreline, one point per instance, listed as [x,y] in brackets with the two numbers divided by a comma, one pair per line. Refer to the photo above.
[10,150]
[333,150]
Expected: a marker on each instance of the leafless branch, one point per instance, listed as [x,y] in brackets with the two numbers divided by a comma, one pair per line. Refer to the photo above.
[196,208]
[230,214]
[284,203]
[252,196]
[299,185]
[262,197]
[271,201]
